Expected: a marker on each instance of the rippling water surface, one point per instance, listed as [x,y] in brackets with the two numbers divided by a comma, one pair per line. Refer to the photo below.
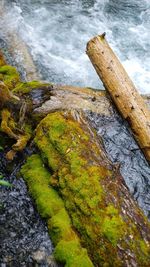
[56,32]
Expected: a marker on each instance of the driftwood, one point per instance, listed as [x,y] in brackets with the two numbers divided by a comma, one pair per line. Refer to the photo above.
[122,90]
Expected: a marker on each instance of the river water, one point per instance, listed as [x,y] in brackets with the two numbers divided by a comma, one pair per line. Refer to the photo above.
[57,31]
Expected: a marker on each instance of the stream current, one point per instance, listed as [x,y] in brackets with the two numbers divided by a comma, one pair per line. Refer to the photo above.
[56,32]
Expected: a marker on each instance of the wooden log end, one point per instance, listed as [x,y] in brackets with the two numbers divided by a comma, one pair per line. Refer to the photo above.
[100,37]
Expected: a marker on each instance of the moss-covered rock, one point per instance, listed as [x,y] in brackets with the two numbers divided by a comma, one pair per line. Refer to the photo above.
[51,207]
[9,76]
[26,87]
[100,207]
[8,124]
[10,127]
[13,110]
[34,93]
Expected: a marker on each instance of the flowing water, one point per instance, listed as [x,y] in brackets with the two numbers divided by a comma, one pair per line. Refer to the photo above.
[56,32]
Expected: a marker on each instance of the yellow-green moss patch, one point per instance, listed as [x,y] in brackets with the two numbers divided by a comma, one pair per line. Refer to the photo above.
[49,204]
[9,76]
[67,252]
[26,87]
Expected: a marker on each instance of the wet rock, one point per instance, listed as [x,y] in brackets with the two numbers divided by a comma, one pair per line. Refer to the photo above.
[122,148]
[52,263]
[40,258]
[69,97]
[22,232]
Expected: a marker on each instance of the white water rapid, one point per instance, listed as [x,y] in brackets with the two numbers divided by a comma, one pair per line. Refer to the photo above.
[57,31]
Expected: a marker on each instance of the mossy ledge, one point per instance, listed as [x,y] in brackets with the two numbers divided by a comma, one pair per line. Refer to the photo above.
[26,87]
[17,100]
[10,76]
[93,192]
[51,207]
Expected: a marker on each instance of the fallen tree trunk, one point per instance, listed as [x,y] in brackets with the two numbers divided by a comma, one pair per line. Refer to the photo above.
[122,90]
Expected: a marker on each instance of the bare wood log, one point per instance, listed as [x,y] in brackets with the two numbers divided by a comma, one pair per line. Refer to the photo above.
[122,90]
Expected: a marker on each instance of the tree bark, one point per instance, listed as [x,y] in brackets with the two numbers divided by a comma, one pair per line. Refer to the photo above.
[122,90]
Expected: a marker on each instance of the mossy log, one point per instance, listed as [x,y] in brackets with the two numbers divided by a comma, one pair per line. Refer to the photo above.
[122,90]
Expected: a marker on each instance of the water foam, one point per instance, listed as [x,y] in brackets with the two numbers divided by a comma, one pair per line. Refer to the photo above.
[57,32]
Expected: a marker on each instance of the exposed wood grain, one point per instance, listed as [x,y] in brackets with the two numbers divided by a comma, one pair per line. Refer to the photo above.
[122,90]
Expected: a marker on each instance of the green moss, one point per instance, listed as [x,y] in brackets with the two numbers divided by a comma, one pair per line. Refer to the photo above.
[49,204]
[50,154]
[37,177]
[113,228]
[145,253]
[59,226]
[144,247]
[23,138]
[70,254]
[7,124]
[81,177]
[9,76]
[111,210]
[26,87]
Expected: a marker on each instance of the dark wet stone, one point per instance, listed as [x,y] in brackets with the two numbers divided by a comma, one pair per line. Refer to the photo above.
[40,95]
[24,239]
[122,148]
